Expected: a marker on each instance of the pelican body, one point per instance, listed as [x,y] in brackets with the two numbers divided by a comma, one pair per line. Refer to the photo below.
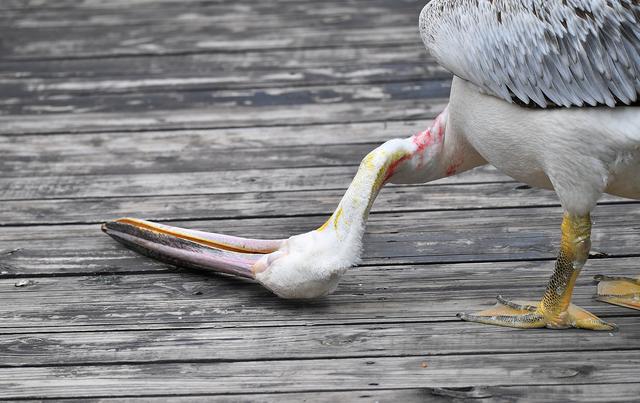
[544,90]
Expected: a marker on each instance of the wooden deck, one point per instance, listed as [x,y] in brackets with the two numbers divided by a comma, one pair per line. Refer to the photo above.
[250,118]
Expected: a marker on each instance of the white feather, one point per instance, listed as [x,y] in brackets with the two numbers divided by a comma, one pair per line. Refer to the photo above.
[579,153]
[499,44]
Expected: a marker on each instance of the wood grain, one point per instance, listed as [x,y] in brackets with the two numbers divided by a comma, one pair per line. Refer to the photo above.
[379,294]
[251,118]
[392,238]
[267,68]
[78,120]
[198,182]
[300,342]
[622,392]
[188,206]
[248,26]
[320,375]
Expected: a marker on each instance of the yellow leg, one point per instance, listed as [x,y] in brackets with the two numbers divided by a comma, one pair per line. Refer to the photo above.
[555,310]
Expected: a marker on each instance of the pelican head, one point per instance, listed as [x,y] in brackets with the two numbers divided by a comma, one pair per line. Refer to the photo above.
[311,264]
[308,265]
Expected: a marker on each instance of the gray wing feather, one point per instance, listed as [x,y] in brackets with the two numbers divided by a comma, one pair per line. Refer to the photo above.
[562,52]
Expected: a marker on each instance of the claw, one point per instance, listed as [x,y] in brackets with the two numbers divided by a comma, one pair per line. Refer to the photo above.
[621,291]
[190,248]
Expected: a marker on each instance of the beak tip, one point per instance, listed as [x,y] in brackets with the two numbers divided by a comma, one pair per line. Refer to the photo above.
[108,226]
[178,246]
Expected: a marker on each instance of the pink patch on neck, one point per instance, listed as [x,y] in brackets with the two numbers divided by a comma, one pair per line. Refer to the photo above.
[423,140]
[431,135]
[394,166]
[453,168]
[440,127]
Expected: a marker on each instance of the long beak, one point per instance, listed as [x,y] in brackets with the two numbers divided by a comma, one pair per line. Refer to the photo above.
[191,248]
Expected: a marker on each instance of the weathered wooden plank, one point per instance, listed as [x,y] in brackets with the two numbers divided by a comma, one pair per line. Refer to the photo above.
[268,97]
[221,116]
[221,12]
[69,5]
[247,69]
[394,199]
[301,342]
[320,375]
[29,161]
[20,91]
[54,43]
[222,138]
[255,26]
[210,183]
[402,238]
[374,295]
[20,94]
[425,91]
[243,13]
[198,150]
[613,392]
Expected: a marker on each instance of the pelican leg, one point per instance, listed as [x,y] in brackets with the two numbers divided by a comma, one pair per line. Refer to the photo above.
[555,310]
[622,291]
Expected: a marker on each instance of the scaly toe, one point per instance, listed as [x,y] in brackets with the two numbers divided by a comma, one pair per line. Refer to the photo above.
[582,319]
[507,313]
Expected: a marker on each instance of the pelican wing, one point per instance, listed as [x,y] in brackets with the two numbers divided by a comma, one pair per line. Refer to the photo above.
[562,52]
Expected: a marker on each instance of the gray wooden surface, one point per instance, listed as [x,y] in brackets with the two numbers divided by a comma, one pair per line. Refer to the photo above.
[250,118]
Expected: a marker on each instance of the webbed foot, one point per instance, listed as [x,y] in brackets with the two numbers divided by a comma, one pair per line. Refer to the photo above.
[529,315]
[622,291]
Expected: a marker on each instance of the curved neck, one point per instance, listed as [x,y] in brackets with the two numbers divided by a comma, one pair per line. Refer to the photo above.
[432,154]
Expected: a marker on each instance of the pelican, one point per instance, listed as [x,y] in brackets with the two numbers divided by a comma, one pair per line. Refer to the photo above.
[544,90]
